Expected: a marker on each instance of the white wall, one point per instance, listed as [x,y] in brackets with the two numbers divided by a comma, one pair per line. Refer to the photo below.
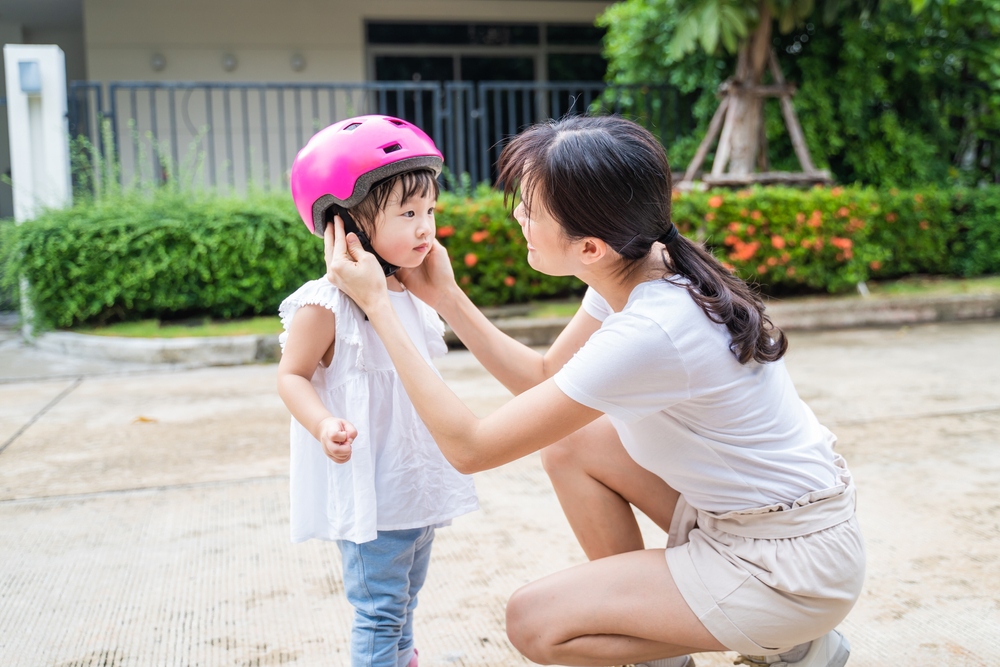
[193,35]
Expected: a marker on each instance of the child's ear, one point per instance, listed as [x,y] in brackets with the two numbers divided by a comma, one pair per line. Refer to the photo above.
[592,250]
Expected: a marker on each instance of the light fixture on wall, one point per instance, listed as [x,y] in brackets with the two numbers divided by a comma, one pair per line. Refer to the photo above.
[298,62]
[229,62]
[158,62]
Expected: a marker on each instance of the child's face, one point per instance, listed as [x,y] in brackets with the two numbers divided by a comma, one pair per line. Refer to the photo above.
[405,229]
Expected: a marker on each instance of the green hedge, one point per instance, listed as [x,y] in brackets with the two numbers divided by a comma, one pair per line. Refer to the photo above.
[170,255]
[829,239]
[166,255]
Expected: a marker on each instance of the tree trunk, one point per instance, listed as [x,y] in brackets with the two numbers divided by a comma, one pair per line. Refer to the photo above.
[747,114]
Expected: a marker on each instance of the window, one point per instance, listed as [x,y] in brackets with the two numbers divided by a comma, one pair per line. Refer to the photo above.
[402,51]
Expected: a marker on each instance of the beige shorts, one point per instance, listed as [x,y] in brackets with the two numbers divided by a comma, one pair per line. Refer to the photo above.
[767,579]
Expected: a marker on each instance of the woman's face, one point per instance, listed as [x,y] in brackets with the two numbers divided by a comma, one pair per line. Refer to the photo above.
[405,229]
[547,243]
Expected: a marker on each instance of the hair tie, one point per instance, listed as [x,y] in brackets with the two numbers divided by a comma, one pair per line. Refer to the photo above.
[668,237]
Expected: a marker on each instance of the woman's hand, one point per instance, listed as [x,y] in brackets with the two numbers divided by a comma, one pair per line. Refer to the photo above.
[432,279]
[336,436]
[351,268]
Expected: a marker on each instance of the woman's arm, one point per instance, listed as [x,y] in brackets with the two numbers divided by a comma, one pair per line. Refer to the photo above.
[310,340]
[537,417]
[515,365]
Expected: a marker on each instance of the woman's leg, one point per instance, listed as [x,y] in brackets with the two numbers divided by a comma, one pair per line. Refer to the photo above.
[615,610]
[597,481]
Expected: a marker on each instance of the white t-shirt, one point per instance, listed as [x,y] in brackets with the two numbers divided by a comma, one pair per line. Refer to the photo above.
[725,435]
[397,478]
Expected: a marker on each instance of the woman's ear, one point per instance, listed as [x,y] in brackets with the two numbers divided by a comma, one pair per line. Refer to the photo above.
[593,250]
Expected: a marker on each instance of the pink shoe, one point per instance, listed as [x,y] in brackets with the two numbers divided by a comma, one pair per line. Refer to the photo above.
[413,660]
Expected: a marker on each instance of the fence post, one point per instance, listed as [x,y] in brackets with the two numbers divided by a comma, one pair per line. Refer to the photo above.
[39,139]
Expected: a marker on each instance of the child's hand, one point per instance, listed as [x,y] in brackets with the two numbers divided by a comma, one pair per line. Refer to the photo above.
[336,436]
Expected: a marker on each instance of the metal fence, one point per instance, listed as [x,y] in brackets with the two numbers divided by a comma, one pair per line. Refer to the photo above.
[232,137]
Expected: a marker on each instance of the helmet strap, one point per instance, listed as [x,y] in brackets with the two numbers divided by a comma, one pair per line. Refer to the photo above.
[351,226]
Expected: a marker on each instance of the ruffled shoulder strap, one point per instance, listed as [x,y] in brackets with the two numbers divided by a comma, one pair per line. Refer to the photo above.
[321,292]
[433,328]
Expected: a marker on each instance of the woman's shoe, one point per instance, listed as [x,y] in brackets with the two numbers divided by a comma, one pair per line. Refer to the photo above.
[830,650]
[679,661]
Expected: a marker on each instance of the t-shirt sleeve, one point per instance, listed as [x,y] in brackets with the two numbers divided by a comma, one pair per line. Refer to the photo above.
[629,369]
[595,305]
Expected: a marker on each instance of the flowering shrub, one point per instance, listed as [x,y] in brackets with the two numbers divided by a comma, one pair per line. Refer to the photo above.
[169,255]
[787,238]
[831,238]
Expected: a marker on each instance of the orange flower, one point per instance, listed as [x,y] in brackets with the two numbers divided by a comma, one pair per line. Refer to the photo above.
[734,226]
[439,208]
[731,240]
[843,244]
[918,197]
[445,232]
[471,259]
[891,217]
[756,215]
[744,251]
[790,272]
[729,267]
[815,219]
[509,281]
[709,217]
[924,225]
[778,242]
[751,230]
[875,265]
[843,212]
[715,202]
[800,218]
[772,261]
[744,212]
[761,268]
[480,236]
[464,280]
[837,191]
[675,195]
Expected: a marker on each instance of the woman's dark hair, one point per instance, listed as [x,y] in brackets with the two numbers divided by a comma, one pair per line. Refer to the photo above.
[416,182]
[607,177]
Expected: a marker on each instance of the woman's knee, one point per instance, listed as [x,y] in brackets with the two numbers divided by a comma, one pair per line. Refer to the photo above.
[526,628]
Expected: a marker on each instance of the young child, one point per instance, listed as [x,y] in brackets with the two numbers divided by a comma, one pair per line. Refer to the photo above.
[365,471]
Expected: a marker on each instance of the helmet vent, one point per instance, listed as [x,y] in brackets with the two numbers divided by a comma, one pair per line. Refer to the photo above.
[397,123]
[352,127]
[393,148]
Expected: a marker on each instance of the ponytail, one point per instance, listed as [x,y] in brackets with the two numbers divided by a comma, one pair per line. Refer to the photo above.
[726,299]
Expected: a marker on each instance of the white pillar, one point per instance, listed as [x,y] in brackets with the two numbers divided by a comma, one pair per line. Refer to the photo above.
[39,135]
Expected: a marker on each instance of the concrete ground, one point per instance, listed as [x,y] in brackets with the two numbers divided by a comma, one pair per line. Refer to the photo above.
[143,512]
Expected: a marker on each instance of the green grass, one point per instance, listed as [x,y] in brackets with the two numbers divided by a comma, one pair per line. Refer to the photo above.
[543,309]
[270,325]
[936,285]
[265,325]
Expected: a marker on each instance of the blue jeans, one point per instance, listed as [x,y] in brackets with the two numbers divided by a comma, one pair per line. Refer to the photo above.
[382,579]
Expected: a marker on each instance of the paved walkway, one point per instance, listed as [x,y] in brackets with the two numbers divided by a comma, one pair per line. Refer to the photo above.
[143,512]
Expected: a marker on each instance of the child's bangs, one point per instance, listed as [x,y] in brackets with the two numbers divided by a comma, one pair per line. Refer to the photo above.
[417,184]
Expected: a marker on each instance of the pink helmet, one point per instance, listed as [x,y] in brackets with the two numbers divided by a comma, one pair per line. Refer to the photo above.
[342,162]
